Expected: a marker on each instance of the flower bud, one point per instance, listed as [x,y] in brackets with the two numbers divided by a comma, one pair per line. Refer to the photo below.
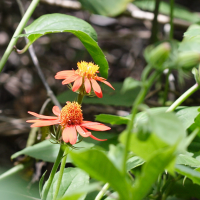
[189,59]
[159,54]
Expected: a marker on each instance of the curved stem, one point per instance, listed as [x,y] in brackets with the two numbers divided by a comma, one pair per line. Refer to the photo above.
[19,29]
[137,102]
[61,172]
[53,171]
[103,191]
[183,97]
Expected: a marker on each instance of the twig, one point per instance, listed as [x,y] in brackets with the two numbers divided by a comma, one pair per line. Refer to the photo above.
[37,65]
[163,19]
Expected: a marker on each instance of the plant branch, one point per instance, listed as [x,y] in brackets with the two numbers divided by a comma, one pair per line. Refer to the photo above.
[183,97]
[37,65]
[61,172]
[102,192]
[19,29]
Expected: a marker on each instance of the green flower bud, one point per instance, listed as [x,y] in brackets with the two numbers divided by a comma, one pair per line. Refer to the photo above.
[158,55]
[189,59]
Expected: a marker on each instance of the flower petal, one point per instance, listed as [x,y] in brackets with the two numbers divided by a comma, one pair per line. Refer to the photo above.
[95,126]
[103,80]
[42,116]
[77,84]
[69,135]
[70,79]
[87,85]
[56,110]
[92,136]
[64,74]
[82,131]
[41,123]
[96,88]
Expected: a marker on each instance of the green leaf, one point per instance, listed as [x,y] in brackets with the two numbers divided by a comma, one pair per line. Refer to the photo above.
[180,12]
[41,183]
[104,7]
[190,173]
[55,23]
[48,151]
[187,160]
[193,32]
[133,162]
[130,84]
[98,165]
[109,96]
[112,119]
[151,170]
[72,180]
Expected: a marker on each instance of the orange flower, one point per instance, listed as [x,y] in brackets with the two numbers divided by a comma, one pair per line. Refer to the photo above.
[70,118]
[85,74]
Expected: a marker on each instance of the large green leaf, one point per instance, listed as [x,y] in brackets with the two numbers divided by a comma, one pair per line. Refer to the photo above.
[151,170]
[187,160]
[193,32]
[110,96]
[104,7]
[133,162]
[48,151]
[190,173]
[164,8]
[55,23]
[72,180]
[98,165]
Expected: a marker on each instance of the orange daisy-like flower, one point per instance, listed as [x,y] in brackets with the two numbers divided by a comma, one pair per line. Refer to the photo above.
[70,118]
[85,74]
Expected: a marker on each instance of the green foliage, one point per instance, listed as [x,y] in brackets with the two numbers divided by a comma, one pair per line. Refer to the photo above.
[109,96]
[130,84]
[73,179]
[103,7]
[55,23]
[99,166]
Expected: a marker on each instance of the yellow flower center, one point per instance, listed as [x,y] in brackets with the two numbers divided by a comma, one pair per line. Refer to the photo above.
[87,69]
[71,114]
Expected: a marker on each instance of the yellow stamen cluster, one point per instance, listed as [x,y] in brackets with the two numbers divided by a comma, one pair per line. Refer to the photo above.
[87,69]
[71,114]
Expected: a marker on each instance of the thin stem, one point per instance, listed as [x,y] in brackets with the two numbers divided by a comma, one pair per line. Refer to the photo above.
[154,31]
[183,97]
[81,93]
[37,64]
[171,34]
[19,29]
[53,171]
[140,98]
[102,192]
[61,172]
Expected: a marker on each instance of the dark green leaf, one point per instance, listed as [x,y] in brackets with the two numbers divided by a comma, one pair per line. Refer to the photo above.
[97,164]
[109,96]
[55,23]
[104,7]
[72,180]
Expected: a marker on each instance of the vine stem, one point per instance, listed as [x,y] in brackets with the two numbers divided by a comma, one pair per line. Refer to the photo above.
[102,192]
[137,102]
[53,171]
[183,97]
[171,34]
[62,167]
[19,29]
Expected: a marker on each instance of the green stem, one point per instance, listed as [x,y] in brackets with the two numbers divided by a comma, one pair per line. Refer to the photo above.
[166,88]
[171,34]
[140,98]
[183,97]
[154,30]
[19,29]
[102,192]
[61,172]
[53,171]
[81,93]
